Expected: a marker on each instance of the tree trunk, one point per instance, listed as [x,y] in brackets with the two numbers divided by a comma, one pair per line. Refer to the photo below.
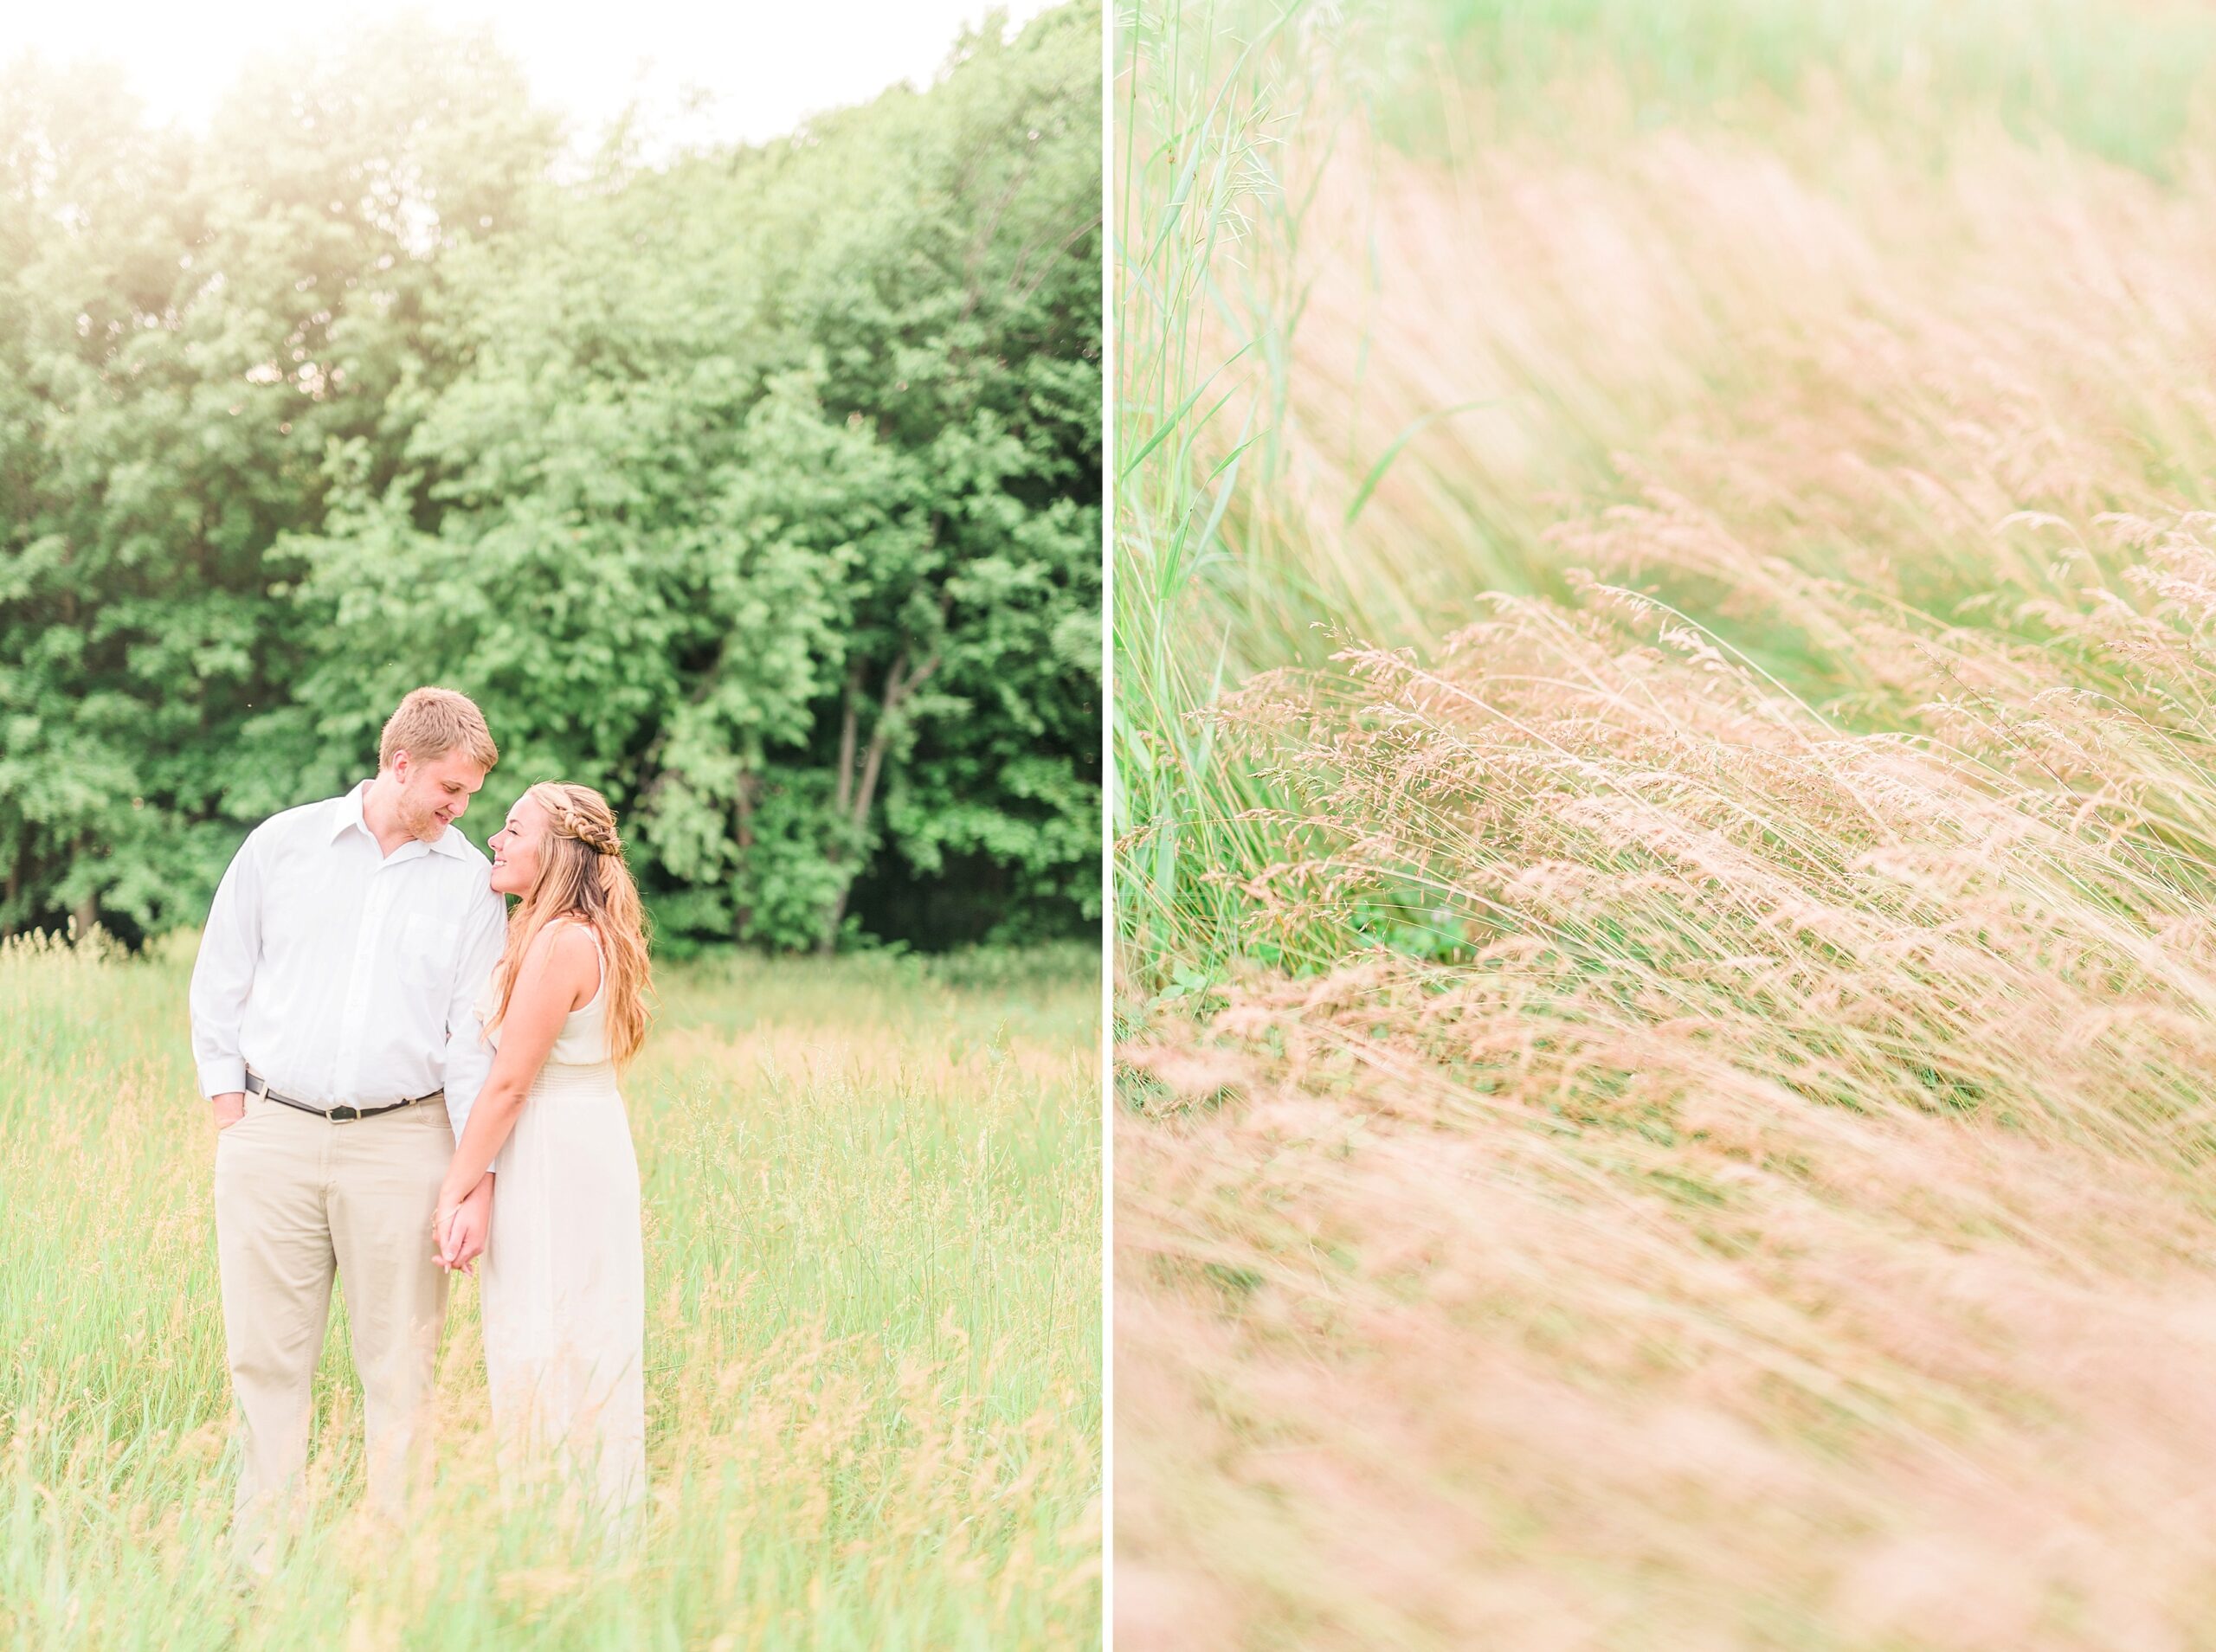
[743,810]
[854,794]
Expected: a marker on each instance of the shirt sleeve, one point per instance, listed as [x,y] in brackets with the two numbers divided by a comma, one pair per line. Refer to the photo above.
[468,1057]
[222,974]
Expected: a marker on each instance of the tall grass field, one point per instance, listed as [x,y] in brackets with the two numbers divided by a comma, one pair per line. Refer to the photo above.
[872,1204]
[1665,628]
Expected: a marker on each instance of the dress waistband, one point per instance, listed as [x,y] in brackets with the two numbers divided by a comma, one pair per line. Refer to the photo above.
[564,1077]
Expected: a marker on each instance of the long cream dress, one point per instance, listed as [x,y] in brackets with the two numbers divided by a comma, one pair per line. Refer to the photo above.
[562,1280]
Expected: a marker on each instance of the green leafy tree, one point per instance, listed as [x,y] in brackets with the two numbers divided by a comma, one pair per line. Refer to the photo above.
[760,489]
[174,313]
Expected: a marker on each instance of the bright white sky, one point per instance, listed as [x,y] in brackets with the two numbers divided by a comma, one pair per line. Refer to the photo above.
[766,64]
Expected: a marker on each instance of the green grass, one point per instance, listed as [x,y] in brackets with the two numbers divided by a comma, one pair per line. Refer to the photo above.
[872,1204]
[2116,82]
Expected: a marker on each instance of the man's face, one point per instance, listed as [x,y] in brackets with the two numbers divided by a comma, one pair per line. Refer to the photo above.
[433,795]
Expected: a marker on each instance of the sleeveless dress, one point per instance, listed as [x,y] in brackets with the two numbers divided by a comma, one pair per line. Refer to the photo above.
[562,1284]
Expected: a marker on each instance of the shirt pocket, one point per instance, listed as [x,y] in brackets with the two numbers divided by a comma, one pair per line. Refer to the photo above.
[428,945]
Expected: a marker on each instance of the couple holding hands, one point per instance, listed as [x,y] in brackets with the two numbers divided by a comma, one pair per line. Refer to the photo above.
[407,1076]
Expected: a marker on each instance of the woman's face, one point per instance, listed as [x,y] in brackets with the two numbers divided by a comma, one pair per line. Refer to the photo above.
[515,847]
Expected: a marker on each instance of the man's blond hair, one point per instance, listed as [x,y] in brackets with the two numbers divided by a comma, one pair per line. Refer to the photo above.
[432,722]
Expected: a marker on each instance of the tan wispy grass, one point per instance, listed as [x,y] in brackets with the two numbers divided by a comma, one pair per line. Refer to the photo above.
[1786,1217]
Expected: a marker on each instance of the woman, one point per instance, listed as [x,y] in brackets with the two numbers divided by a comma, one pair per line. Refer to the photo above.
[564,1290]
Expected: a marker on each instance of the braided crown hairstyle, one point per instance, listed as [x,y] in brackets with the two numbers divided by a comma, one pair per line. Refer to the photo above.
[582,877]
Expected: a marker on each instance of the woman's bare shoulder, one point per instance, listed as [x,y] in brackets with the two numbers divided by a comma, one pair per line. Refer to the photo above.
[565,948]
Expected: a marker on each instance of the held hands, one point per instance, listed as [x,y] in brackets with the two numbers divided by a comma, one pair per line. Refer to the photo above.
[459,1229]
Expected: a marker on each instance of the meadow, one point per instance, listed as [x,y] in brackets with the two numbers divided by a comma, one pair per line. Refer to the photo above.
[872,1192]
[1666,826]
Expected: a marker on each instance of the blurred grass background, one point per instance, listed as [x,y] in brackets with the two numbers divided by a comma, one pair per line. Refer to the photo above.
[1664,607]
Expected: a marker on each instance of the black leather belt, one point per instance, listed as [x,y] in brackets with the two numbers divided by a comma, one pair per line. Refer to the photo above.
[345,1113]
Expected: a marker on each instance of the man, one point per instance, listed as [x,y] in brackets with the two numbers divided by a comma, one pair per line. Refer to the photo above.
[332,1016]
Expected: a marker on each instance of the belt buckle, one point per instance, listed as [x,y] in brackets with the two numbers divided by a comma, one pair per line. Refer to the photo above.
[345,1113]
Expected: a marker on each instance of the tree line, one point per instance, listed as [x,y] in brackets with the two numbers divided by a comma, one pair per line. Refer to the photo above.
[759,487]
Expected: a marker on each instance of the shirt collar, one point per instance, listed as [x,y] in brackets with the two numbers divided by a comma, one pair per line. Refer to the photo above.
[452,845]
[346,810]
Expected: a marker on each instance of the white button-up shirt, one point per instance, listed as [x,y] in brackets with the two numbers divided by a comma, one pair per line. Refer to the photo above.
[341,974]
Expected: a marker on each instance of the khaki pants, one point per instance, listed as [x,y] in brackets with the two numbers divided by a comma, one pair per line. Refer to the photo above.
[297,1196]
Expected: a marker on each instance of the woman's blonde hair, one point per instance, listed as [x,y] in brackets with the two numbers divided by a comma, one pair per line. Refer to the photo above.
[582,876]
